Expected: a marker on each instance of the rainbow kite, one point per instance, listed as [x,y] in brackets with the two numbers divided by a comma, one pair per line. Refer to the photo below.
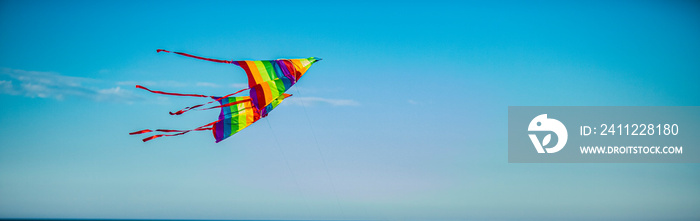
[267,82]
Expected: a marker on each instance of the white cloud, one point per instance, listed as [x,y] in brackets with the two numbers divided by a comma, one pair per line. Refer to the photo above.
[37,90]
[7,88]
[57,86]
[134,83]
[116,94]
[239,85]
[166,84]
[153,83]
[207,84]
[310,101]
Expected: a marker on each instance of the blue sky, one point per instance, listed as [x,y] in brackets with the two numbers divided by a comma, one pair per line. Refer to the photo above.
[408,108]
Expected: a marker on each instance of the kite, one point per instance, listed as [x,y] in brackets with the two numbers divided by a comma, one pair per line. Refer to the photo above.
[268,80]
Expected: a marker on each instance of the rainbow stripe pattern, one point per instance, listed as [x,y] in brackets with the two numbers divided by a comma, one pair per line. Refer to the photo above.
[238,113]
[268,80]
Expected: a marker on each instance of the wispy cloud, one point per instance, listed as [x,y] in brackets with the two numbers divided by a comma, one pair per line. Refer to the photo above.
[54,85]
[207,84]
[7,88]
[175,84]
[239,85]
[153,83]
[310,101]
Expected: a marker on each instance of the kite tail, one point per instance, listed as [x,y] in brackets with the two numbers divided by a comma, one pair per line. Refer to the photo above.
[209,126]
[197,57]
[214,107]
[200,105]
[168,93]
[216,99]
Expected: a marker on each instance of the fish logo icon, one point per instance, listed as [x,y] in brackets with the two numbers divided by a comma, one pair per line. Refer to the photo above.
[542,123]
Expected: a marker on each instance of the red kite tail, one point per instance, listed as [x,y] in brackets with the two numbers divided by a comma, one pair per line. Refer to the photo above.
[197,57]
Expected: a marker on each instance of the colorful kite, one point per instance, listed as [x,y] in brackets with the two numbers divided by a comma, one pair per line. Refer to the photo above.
[267,81]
